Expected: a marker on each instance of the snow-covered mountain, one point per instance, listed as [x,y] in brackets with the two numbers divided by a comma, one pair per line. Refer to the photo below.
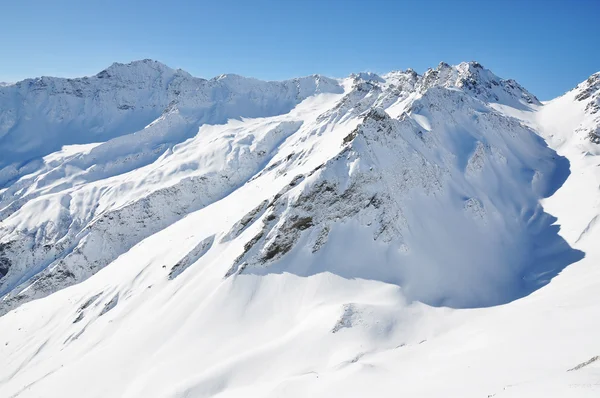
[164,235]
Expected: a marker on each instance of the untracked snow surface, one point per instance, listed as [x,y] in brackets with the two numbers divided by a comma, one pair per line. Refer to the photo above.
[426,235]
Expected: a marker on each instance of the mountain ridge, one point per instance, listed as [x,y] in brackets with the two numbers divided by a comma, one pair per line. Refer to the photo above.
[349,227]
[177,123]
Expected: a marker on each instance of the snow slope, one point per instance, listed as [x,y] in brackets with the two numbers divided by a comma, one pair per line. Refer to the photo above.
[367,236]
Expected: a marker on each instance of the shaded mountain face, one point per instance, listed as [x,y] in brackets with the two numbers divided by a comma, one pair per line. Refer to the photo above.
[411,180]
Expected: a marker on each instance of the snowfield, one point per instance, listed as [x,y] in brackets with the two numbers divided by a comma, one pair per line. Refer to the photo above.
[426,235]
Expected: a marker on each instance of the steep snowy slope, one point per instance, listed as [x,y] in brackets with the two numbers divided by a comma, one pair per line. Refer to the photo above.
[71,212]
[323,242]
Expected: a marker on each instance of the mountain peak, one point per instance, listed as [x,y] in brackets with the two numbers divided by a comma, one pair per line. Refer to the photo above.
[140,63]
[367,76]
[139,68]
[472,77]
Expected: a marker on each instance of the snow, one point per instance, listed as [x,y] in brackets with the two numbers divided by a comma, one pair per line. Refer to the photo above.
[378,235]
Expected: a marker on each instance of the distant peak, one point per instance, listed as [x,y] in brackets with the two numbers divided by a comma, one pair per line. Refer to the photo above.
[474,67]
[407,72]
[472,64]
[140,66]
[141,62]
[230,77]
[367,76]
[472,77]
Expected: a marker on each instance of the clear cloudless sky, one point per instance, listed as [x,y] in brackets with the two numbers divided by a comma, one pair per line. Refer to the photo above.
[547,45]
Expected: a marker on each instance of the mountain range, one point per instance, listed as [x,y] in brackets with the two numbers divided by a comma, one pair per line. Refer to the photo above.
[163,235]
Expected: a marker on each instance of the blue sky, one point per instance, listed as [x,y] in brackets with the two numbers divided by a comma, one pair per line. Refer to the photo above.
[548,46]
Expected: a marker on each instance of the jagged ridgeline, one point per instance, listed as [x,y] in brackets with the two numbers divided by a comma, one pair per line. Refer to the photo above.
[414,180]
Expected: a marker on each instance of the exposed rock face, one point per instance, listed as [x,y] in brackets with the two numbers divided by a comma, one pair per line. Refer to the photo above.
[588,93]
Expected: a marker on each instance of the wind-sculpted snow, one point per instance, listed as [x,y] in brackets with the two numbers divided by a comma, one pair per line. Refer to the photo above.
[233,237]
